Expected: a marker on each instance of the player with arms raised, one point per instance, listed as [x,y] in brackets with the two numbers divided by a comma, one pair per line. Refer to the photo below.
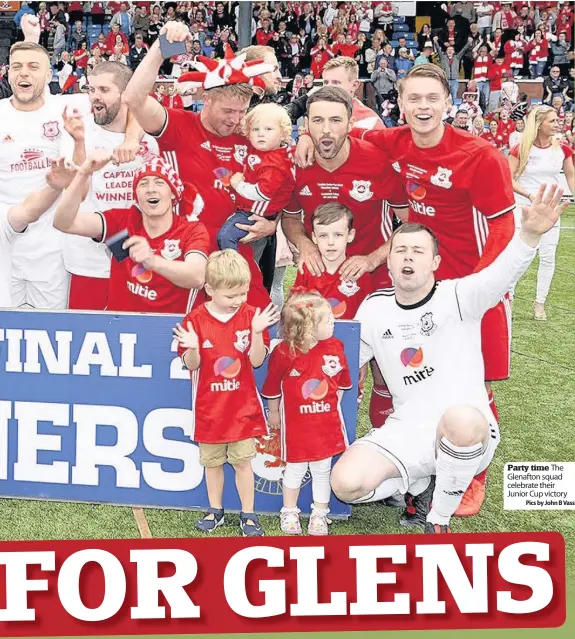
[426,338]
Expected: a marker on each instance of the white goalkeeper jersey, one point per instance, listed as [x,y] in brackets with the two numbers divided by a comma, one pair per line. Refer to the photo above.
[430,352]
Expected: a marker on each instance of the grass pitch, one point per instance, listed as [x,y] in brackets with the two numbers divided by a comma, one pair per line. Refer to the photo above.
[537,411]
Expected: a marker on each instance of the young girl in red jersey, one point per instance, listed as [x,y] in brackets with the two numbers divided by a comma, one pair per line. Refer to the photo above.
[307,375]
[220,343]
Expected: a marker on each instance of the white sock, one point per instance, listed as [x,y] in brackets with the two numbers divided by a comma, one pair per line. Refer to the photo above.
[455,466]
[386,489]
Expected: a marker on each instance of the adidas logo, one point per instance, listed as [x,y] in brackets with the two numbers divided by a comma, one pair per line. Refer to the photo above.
[207,344]
[206,145]
[387,335]
[305,191]
[294,373]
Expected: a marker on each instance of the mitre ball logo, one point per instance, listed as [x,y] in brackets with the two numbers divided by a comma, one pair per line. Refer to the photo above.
[227,367]
[315,389]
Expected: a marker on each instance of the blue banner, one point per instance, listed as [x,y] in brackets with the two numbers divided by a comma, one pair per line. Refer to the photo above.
[95,407]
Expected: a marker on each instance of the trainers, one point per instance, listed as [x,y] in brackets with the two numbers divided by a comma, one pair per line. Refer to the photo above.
[418,506]
[289,521]
[436,529]
[250,525]
[539,312]
[318,522]
[472,500]
[208,525]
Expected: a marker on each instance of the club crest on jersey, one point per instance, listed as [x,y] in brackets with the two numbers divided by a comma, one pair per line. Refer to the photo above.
[361,190]
[51,130]
[441,178]
[331,365]
[240,153]
[427,325]
[242,340]
[171,250]
[348,287]
[253,160]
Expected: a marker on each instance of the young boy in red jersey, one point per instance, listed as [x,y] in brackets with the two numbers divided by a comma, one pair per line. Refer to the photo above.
[332,225]
[266,185]
[220,343]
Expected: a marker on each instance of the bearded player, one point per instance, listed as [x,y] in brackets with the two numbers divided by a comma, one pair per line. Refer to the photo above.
[460,187]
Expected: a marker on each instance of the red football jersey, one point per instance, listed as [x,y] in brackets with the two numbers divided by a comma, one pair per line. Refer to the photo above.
[208,161]
[312,422]
[135,289]
[343,296]
[454,188]
[225,400]
[363,183]
[272,173]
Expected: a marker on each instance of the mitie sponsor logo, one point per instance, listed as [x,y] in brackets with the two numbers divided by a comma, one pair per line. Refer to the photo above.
[228,368]
[413,357]
[316,390]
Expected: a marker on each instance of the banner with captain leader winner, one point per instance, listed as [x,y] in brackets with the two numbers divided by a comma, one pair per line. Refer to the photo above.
[97,408]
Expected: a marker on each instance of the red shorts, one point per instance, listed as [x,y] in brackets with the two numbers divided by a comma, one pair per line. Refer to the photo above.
[88,293]
[496,341]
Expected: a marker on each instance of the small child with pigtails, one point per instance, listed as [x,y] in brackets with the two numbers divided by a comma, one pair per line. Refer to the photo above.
[307,374]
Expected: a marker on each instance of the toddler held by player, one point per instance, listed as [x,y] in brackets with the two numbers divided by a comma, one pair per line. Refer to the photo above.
[268,180]
[307,375]
[332,225]
[220,343]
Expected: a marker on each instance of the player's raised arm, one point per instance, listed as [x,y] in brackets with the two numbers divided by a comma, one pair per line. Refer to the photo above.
[149,112]
[38,202]
[67,219]
[480,291]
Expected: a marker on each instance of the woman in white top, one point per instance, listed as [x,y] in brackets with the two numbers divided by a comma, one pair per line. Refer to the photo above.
[539,159]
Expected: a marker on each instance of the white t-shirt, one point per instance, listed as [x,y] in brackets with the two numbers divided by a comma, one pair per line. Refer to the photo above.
[29,141]
[430,353]
[111,188]
[484,15]
[544,166]
[7,237]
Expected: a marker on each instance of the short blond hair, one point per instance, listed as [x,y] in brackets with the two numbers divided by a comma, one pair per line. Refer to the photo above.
[256,52]
[29,46]
[242,92]
[227,269]
[425,71]
[269,112]
[343,62]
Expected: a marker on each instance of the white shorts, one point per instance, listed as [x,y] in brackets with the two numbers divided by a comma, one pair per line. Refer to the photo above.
[410,446]
[46,289]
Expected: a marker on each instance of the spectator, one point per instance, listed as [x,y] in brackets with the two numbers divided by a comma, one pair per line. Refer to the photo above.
[569,97]
[484,13]
[478,126]
[24,9]
[515,136]
[138,51]
[123,20]
[554,85]
[221,19]
[320,54]
[330,13]
[538,53]
[156,24]
[352,27]
[403,63]
[113,36]
[224,39]
[496,74]
[118,55]
[402,44]
[65,68]
[451,36]
[208,47]
[78,36]
[462,120]
[59,37]
[171,99]
[360,57]
[514,53]
[386,53]
[560,51]
[519,111]
[96,58]
[384,80]
[468,58]
[557,104]
[372,53]
[424,36]
[365,17]
[482,63]
[509,91]
[141,19]
[450,63]
[102,45]
[81,57]
[504,19]
[383,14]
[282,50]
[426,54]
[307,20]
[45,19]
[264,34]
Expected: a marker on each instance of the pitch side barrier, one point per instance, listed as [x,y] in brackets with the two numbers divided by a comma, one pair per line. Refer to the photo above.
[95,407]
